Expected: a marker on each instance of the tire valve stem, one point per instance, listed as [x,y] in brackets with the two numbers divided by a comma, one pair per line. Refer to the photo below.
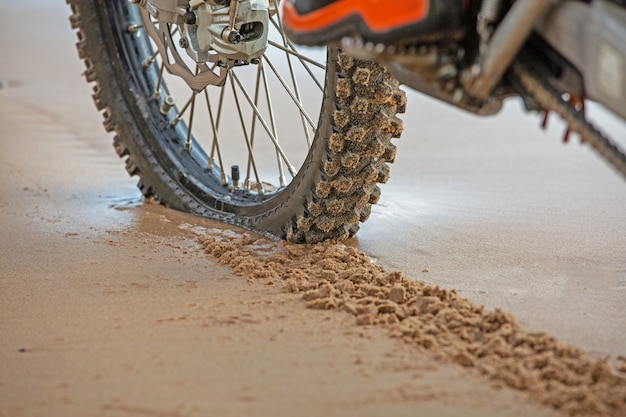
[234,174]
[167,105]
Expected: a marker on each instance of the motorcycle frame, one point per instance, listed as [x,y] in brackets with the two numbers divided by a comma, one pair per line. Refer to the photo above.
[480,79]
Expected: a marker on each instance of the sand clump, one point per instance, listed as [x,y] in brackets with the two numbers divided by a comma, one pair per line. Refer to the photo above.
[433,319]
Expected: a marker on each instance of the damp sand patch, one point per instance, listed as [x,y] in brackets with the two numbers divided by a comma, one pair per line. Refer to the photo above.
[333,276]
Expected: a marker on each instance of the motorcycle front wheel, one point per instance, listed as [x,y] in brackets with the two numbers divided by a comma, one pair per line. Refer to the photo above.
[292,144]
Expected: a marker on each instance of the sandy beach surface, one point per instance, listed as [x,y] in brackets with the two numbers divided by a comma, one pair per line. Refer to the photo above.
[490,280]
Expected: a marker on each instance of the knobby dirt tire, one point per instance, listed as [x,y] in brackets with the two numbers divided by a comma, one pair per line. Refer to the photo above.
[332,191]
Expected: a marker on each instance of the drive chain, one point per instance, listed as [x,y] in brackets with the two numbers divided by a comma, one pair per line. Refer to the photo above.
[551,100]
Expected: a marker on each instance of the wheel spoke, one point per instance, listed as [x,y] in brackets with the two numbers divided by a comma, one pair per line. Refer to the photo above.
[296,101]
[252,129]
[294,81]
[270,108]
[290,167]
[157,89]
[259,184]
[191,115]
[290,49]
[303,59]
[215,145]
[261,75]
[182,111]
[151,60]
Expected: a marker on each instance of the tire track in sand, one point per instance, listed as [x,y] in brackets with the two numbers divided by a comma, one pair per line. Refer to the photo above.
[333,276]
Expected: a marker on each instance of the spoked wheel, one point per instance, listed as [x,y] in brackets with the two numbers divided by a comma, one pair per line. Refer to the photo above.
[291,143]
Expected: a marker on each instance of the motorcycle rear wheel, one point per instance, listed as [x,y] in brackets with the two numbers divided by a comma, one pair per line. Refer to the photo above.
[326,197]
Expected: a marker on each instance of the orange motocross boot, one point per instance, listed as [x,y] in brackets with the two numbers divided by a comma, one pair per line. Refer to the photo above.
[320,22]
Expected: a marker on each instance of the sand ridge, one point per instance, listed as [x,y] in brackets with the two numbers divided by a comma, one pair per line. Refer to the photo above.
[335,276]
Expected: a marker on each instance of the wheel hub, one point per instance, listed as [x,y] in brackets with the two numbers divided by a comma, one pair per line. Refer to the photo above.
[215,34]
[243,41]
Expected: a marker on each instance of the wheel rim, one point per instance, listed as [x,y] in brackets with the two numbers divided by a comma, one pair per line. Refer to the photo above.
[263,119]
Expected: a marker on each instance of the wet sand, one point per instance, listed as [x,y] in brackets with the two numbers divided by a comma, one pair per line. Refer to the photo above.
[111,306]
